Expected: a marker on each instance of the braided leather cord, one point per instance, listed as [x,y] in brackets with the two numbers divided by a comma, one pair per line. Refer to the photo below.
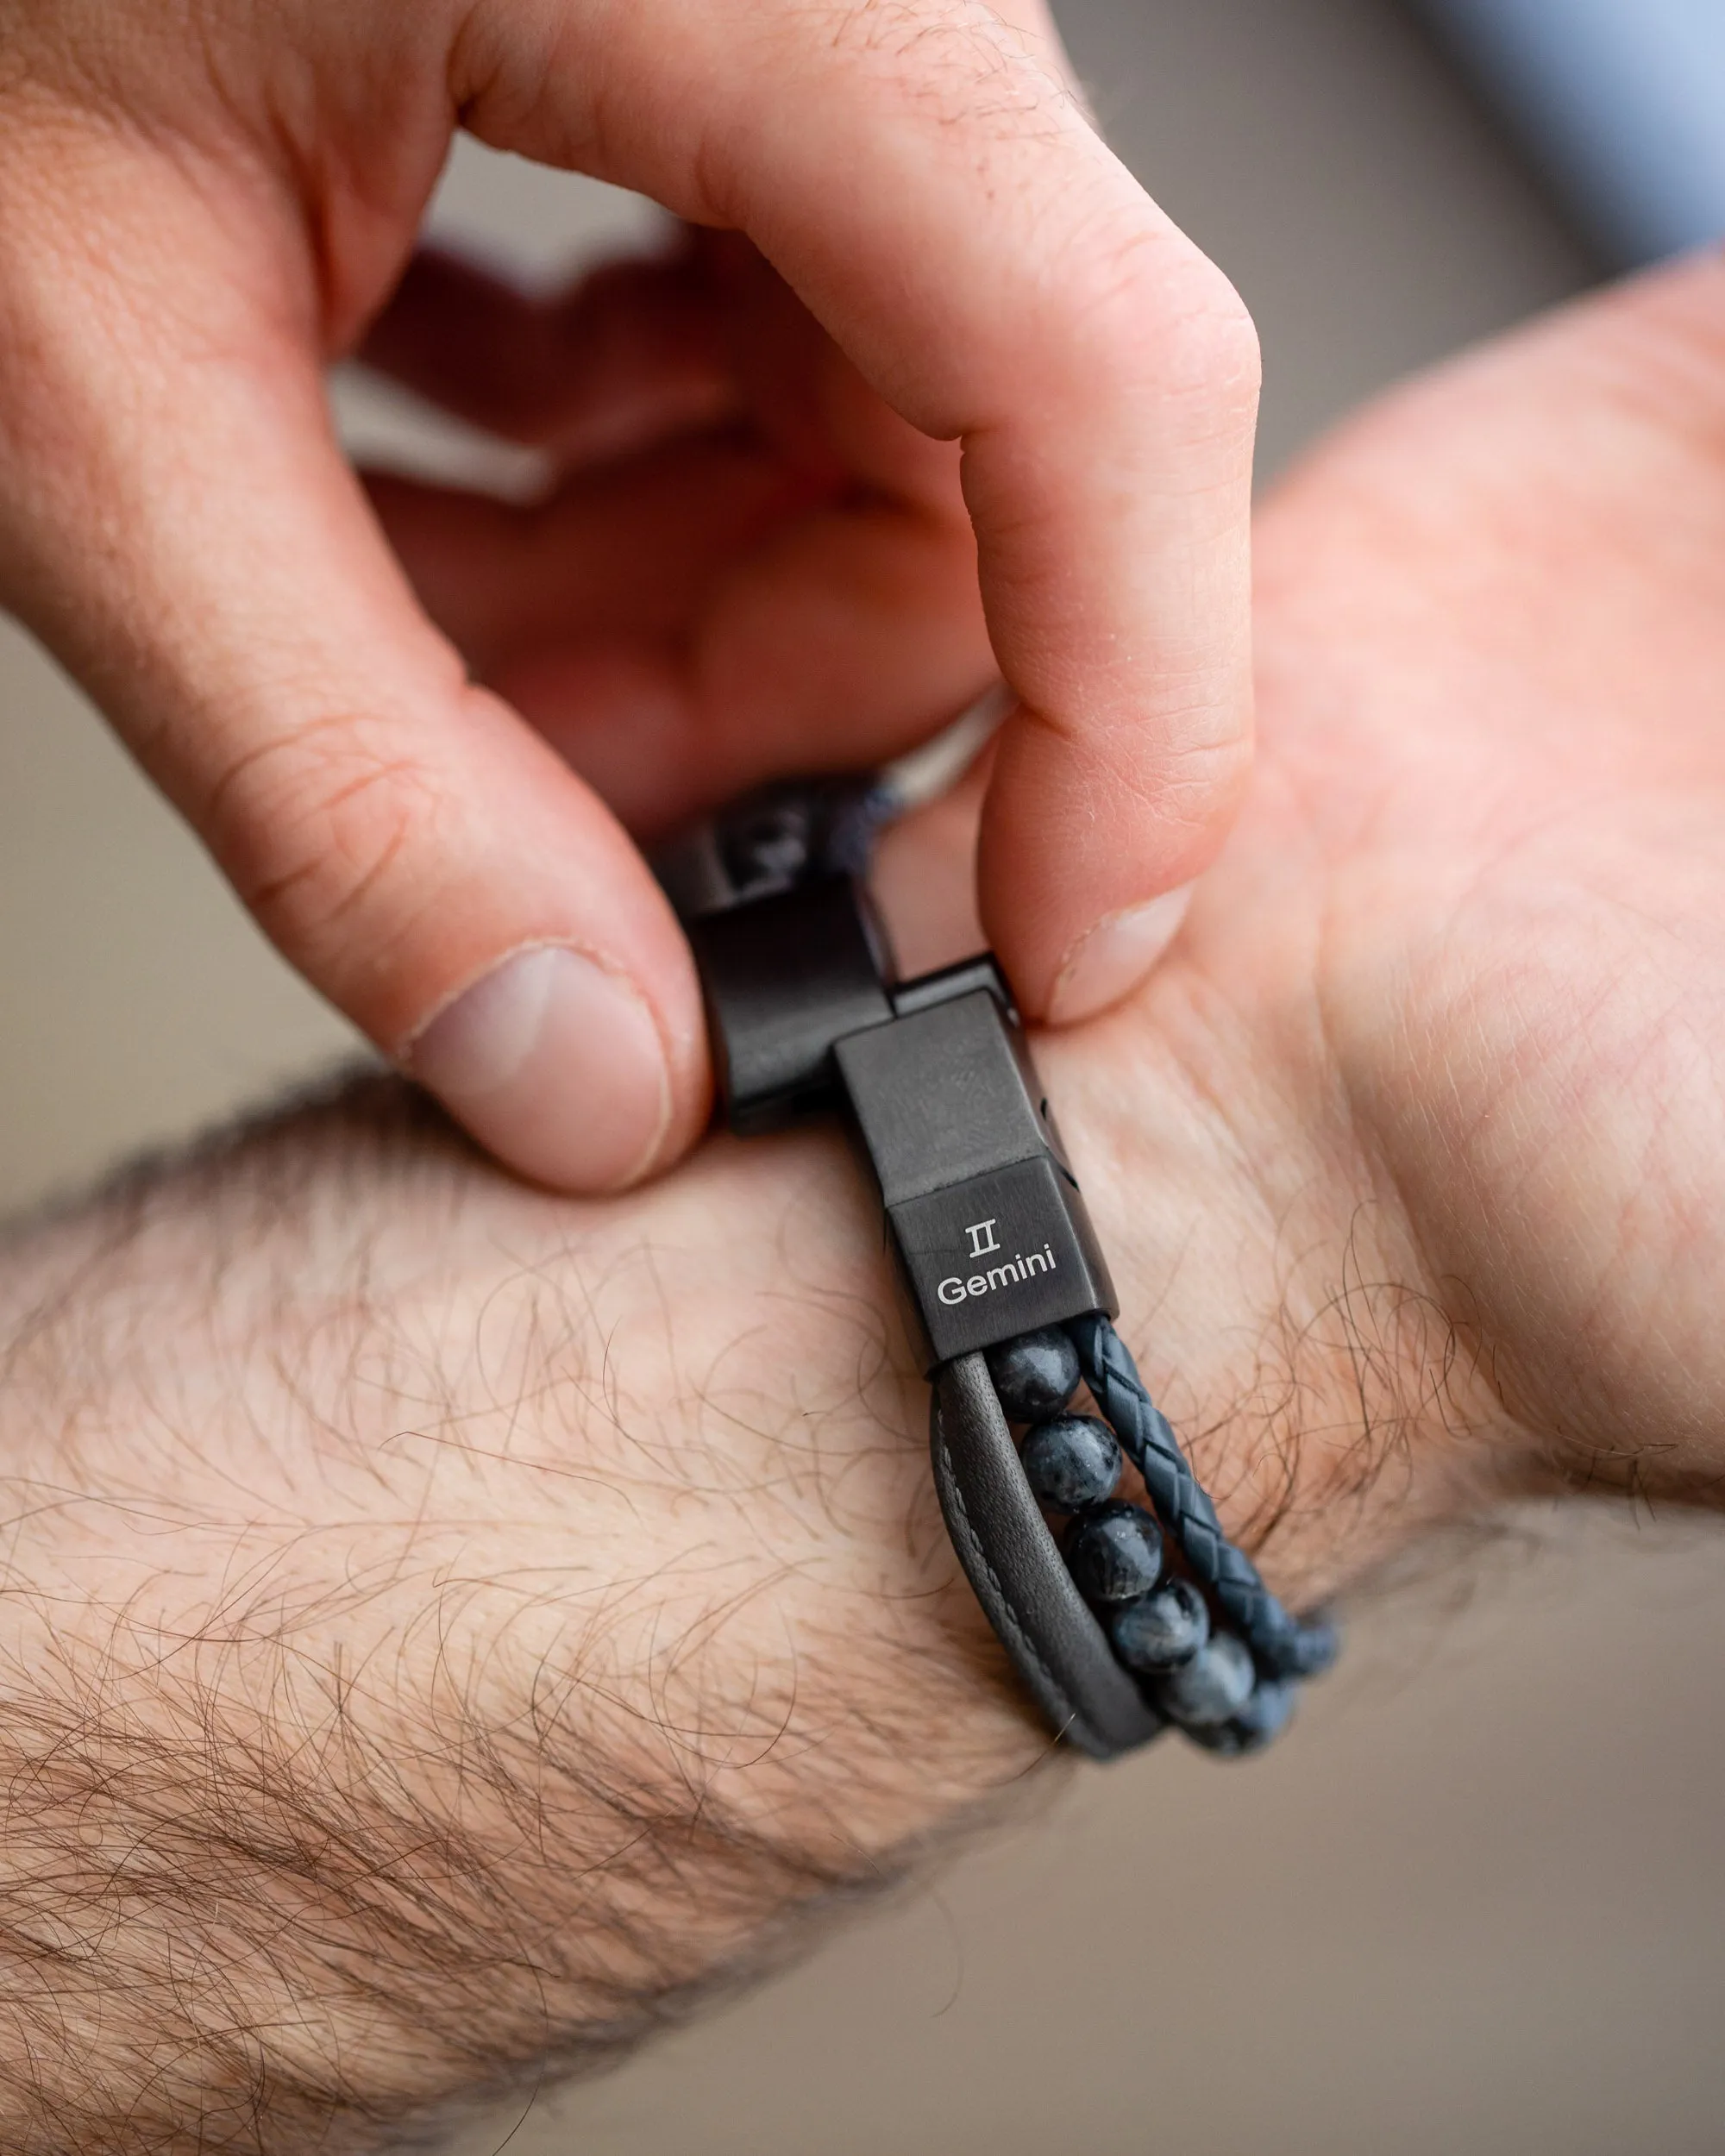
[1281,1643]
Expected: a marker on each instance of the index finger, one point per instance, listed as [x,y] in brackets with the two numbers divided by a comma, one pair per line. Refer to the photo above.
[924,179]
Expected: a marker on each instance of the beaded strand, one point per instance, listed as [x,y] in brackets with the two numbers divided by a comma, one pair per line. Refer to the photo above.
[1220,1665]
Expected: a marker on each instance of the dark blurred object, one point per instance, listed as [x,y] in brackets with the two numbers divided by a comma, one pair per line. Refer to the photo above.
[1621,103]
[776,838]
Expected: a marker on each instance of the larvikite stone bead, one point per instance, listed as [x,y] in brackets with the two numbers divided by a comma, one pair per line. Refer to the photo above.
[1212,1688]
[1115,1553]
[1035,1374]
[1265,1715]
[1073,1462]
[1309,1649]
[1163,1631]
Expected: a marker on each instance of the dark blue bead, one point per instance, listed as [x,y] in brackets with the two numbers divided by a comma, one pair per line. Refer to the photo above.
[1114,1554]
[1265,1715]
[1035,1374]
[1073,1462]
[1214,1686]
[1309,1649]
[1161,1631]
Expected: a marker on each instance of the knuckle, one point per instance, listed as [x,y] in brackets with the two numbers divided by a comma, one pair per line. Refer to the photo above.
[1202,780]
[1183,798]
[1178,756]
[315,829]
[1153,312]
[962,67]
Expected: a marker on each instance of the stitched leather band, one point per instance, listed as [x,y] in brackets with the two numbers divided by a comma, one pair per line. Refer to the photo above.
[1019,1576]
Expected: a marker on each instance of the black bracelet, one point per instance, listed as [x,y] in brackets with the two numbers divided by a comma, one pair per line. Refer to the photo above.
[1008,1295]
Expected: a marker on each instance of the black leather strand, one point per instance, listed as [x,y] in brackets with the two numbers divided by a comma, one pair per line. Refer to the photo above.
[1014,1565]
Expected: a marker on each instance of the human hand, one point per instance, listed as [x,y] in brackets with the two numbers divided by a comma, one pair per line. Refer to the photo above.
[1452,1005]
[206,204]
[450,1619]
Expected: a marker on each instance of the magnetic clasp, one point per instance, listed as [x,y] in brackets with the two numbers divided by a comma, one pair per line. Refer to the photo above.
[941,1094]
[991,1233]
[784,977]
[999,1255]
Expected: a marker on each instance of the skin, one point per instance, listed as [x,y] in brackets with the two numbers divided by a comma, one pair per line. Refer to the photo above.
[997,415]
[447,1621]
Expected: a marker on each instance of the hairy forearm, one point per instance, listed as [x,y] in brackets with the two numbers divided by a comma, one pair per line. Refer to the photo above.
[444,1623]
[441,1622]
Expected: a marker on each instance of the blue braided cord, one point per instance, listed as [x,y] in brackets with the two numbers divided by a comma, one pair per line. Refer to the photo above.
[1280,1643]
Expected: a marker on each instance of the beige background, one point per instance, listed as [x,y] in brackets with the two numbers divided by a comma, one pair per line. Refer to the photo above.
[1474,1903]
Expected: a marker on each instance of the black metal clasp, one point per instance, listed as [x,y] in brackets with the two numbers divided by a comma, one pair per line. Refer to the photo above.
[990,1230]
[989,1226]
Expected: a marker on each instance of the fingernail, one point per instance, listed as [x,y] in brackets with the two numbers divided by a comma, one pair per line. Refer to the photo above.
[1109,962]
[556,1066]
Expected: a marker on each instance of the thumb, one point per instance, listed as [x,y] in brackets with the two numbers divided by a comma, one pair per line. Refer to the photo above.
[177,521]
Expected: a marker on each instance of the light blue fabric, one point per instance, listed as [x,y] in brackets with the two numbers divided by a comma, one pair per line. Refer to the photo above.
[1622,100]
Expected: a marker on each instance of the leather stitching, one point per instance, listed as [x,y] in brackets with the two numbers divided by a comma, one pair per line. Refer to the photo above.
[1021,1640]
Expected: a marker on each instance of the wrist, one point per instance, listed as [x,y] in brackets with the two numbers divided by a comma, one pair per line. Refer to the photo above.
[575,1568]
[1324,1385]
[524,1605]
[1334,1389]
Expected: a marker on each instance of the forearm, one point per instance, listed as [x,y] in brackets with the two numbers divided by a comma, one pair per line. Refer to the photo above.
[442,1621]
[445,1621]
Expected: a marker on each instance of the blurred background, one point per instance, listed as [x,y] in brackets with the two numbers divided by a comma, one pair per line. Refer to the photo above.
[1477,1900]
